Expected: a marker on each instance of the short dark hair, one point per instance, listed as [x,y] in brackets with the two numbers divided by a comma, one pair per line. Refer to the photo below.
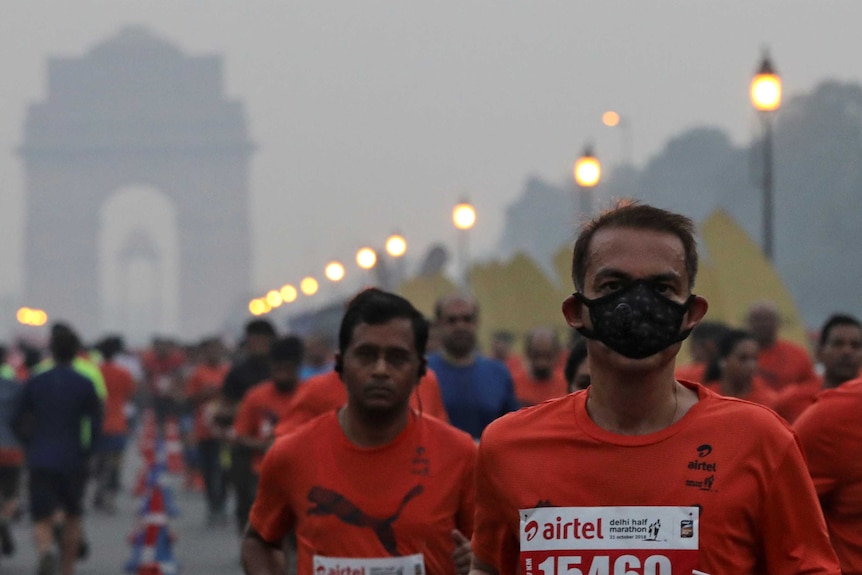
[635,215]
[289,348]
[374,307]
[725,346]
[64,343]
[259,326]
[109,347]
[836,320]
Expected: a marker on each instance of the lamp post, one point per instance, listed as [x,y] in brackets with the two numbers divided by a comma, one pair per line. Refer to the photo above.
[613,119]
[766,99]
[464,218]
[396,247]
[588,172]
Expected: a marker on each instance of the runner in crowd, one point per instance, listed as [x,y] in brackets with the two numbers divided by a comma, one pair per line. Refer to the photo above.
[375,486]
[640,471]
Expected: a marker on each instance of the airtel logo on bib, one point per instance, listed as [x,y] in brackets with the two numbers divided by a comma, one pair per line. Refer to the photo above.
[561,529]
[531,529]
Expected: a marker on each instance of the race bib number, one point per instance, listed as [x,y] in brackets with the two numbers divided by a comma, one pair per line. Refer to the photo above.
[407,565]
[609,540]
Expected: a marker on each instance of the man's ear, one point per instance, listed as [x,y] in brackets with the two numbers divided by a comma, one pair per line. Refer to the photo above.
[572,310]
[696,311]
[339,364]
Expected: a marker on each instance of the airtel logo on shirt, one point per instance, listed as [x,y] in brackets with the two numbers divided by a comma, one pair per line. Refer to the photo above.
[574,529]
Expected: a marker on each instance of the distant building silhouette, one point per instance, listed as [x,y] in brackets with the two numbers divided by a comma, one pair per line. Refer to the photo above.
[136,111]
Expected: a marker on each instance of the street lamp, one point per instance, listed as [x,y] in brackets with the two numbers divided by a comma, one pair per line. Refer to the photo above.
[288,293]
[334,271]
[366,258]
[613,119]
[766,99]
[309,286]
[588,172]
[464,218]
[396,245]
[274,299]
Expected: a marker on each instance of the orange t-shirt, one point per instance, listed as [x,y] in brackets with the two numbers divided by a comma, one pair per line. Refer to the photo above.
[831,435]
[531,391]
[347,501]
[205,377]
[691,372]
[738,462]
[326,392]
[259,412]
[120,386]
[759,393]
[783,364]
[792,401]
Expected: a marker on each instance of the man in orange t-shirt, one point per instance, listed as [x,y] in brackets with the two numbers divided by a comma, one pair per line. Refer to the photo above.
[374,485]
[542,378]
[326,392]
[839,351]
[202,392]
[831,436]
[780,363]
[265,404]
[640,473]
[121,387]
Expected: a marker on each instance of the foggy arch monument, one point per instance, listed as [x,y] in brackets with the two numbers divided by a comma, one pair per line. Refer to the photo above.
[136,110]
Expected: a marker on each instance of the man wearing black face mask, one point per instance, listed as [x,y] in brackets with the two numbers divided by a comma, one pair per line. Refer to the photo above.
[641,472]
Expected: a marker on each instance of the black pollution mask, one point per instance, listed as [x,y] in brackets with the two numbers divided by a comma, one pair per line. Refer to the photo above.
[636,321]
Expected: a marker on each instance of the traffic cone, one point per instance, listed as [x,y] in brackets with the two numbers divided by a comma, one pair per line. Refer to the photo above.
[152,544]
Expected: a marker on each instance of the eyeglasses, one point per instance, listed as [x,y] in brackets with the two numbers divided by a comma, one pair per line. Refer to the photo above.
[466,318]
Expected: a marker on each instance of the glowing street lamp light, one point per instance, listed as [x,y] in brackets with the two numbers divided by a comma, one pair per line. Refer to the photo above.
[766,99]
[366,258]
[309,285]
[464,218]
[288,293]
[464,215]
[29,316]
[273,298]
[588,172]
[611,119]
[766,87]
[257,306]
[334,271]
[396,245]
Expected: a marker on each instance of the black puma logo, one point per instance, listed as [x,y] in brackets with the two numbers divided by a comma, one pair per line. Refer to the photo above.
[328,502]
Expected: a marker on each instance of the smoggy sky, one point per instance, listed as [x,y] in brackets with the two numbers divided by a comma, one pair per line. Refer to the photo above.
[372,116]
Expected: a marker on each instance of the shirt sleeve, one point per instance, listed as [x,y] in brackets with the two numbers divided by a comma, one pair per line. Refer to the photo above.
[494,541]
[271,515]
[817,434]
[795,539]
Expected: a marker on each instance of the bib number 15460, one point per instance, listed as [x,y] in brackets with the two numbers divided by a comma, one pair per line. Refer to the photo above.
[602,565]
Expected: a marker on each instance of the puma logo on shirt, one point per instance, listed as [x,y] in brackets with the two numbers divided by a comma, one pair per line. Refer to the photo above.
[328,502]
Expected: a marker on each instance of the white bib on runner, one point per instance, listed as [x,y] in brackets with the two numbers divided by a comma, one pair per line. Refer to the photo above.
[407,565]
[609,540]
